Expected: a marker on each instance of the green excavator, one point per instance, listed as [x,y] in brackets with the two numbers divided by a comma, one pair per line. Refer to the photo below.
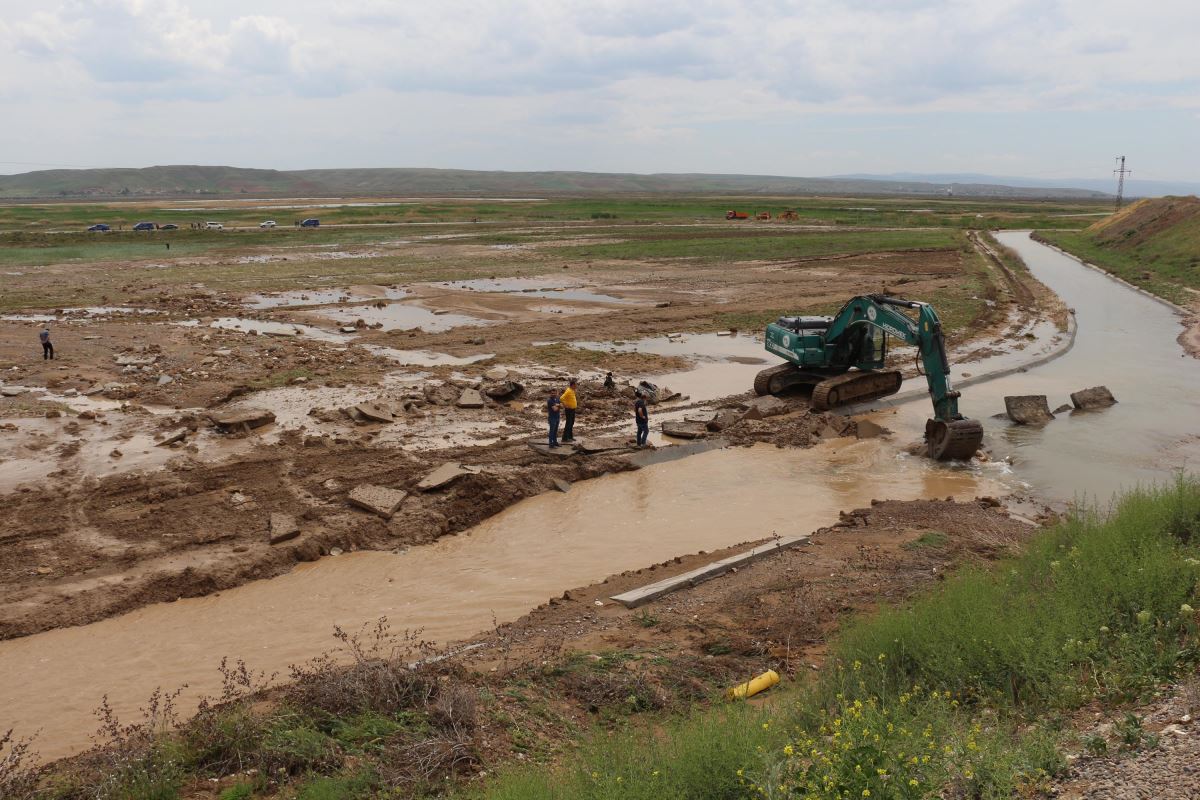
[843,357]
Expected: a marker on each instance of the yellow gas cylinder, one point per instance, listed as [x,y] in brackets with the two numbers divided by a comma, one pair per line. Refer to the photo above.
[754,686]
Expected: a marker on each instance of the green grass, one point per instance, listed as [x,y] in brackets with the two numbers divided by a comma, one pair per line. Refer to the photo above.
[929,540]
[958,692]
[1163,265]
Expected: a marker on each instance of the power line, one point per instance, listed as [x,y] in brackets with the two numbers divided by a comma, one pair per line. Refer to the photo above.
[1121,172]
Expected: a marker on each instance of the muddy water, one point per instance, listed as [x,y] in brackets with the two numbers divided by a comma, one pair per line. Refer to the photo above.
[455,587]
[1125,341]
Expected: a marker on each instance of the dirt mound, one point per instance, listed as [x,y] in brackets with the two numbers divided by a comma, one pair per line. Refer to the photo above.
[1137,224]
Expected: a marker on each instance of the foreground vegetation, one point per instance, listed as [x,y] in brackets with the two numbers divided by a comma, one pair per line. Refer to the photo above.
[967,691]
[964,691]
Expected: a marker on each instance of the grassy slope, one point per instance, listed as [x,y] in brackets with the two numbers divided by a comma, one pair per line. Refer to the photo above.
[1152,243]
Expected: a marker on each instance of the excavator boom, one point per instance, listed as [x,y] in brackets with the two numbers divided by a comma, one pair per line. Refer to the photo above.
[843,358]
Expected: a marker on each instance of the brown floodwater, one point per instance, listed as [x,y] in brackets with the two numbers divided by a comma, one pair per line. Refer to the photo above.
[457,586]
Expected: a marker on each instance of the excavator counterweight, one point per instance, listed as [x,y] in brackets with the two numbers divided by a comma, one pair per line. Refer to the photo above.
[843,359]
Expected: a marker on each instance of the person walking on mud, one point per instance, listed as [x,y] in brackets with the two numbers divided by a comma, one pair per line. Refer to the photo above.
[642,417]
[47,347]
[553,406]
[570,402]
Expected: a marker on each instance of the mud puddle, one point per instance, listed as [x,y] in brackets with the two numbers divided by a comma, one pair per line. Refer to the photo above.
[1125,341]
[266,327]
[424,358]
[321,297]
[549,288]
[459,585]
[399,317]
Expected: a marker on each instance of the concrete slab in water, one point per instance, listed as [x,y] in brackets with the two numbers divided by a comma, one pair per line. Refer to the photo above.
[1028,409]
[1095,397]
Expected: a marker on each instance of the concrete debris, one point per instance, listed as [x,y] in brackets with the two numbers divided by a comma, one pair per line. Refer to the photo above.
[380,500]
[282,527]
[164,379]
[684,430]
[1095,397]
[561,485]
[724,421]
[444,475]
[496,374]
[504,391]
[242,418]
[470,398]
[374,413]
[348,329]
[765,406]
[1028,409]
[1064,408]
[135,361]
[13,391]
[173,437]
[544,448]
[865,429]
[603,444]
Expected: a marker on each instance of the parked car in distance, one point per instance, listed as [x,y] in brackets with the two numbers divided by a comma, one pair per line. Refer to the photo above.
[214,226]
[310,223]
[267,224]
[99,227]
[170,226]
[144,226]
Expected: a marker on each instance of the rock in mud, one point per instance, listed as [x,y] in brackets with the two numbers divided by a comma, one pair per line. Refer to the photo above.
[765,406]
[173,437]
[282,527]
[247,417]
[1028,409]
[470,398]
[374,413]
[135,361]
[1095,397]
[604,444]
[684,430]
[164,379]
[13,391]
[380,500]
[561,485]
[496,374]
[544,448]
[504,391]
[724,421]
[444,475]
[1064,408]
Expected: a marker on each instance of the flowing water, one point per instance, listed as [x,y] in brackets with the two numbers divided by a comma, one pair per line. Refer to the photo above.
[535,549]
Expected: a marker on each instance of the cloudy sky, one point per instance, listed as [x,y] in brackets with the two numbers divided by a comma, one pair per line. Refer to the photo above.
[1038,88]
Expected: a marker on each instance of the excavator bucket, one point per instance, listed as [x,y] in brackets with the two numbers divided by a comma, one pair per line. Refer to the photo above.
[953,441]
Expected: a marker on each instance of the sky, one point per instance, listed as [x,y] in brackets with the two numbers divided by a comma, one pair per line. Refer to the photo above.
[1033,88]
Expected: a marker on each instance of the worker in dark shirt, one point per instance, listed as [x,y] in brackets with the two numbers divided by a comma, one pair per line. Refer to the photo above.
[47,347]
[642,417]
[553,407]
[609,383]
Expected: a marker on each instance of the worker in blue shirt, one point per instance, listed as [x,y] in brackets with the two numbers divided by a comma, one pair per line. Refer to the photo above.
[641,417]
[553,407]
[47,347]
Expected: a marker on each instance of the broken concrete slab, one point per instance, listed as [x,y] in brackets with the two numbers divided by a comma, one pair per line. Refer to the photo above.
[1064,408]
[444,475]
[603,444]
[496,374]
[1028,409]
[135,361]
[380,500]
[724,421]
[374,413]
[765,406]
[237,418]
[684,430]
[561,485]
[164,379]
[470,398]
[1095,397]
[644,594]
[173,437]
[544,448]
[865,429]
[348,329]
[282,527]
[13,391]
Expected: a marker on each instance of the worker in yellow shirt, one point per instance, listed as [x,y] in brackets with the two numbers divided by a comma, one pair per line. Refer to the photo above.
[569,403]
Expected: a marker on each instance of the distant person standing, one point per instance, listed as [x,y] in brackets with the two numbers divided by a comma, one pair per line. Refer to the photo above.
[47,347]
[553,406]
[570,402]
[609,383]
[642,417]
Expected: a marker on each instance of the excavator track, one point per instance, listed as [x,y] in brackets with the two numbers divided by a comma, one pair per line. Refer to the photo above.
[777,379]
[957,440]
[854,387]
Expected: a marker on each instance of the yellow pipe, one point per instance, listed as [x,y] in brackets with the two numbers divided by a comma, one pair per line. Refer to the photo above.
[754,686]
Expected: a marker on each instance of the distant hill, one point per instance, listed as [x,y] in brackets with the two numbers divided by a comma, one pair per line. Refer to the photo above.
[1134,187]
[1154,243]
[176,181]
